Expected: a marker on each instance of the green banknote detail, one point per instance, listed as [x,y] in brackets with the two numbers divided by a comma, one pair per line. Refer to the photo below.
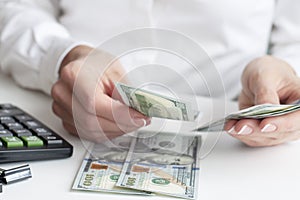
[154,105]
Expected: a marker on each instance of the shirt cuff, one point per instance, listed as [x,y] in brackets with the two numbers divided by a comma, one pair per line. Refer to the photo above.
[50,65]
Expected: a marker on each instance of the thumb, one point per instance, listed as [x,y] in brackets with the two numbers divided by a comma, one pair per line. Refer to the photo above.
[265,95]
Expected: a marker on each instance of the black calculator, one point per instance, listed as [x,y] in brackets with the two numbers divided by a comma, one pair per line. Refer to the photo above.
[24,138]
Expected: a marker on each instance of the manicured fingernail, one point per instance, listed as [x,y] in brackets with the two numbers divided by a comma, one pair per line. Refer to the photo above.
[232,130]
[269,128]
[144,122]
[140,122]
[246,130]
[148,121]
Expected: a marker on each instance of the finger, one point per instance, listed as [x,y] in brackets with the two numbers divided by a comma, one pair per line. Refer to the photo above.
[245,127]
[265,90]
[116,95]
[285,123]
[104,106]
[70,128]
[89,122]
[118,112]
[90,135]
[291,94]
[245,101]
[230,124]
[117,74]
[271,139]
[93,122]
[265,134]
[62,95]
[266,95]
[292,136]
[89,93]
[62,113]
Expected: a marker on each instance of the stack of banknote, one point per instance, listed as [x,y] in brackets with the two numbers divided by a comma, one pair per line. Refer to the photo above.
[164,163]
[264,111]
[255,112]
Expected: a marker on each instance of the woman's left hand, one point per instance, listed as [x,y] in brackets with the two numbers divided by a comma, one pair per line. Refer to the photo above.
[267,80]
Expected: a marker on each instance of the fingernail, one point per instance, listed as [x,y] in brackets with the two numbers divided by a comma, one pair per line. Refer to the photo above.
[269,128]
[148,121]
[144,122]
[140,122]
[246,130]
[232,130]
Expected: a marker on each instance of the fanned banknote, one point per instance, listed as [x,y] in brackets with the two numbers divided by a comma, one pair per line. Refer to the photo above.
[165,163]
[263,111]
[255,112]
[155,105]
[101,168]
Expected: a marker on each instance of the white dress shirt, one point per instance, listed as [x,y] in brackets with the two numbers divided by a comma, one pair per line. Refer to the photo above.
[36,35]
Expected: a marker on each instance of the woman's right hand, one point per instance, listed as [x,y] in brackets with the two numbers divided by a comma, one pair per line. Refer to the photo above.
[85,100]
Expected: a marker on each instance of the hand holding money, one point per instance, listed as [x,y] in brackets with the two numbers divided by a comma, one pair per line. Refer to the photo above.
[85,102]
[255,112]
[155,105]
[273,81]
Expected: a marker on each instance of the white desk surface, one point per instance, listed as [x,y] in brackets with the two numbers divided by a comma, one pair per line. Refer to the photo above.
[232,170]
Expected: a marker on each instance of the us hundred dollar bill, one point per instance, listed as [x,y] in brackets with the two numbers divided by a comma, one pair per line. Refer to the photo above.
[155,105]
[263,111]
[101,168]
[255,112]
[168,165]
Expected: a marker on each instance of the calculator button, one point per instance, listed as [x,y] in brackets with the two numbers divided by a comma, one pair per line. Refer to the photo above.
[51,139]
[41,131]
[10,112]
[22,132]
[1,127]
[13,125]
[32,124]
[32,141]
[6,119]
[12,142]
[4,133]
[23,118]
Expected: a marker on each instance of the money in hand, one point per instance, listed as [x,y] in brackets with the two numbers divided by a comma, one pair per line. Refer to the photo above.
[155,105]
[263,111]
[255,112]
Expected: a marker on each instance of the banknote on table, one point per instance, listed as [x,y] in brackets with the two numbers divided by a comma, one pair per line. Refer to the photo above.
[170,166]
[155,105]
[101,168]
[255,112]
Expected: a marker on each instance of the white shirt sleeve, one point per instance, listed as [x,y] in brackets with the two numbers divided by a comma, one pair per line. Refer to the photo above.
[285,36]
[32,42]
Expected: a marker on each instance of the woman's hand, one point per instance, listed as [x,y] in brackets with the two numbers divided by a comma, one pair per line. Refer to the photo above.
[85,100]
[267,80]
